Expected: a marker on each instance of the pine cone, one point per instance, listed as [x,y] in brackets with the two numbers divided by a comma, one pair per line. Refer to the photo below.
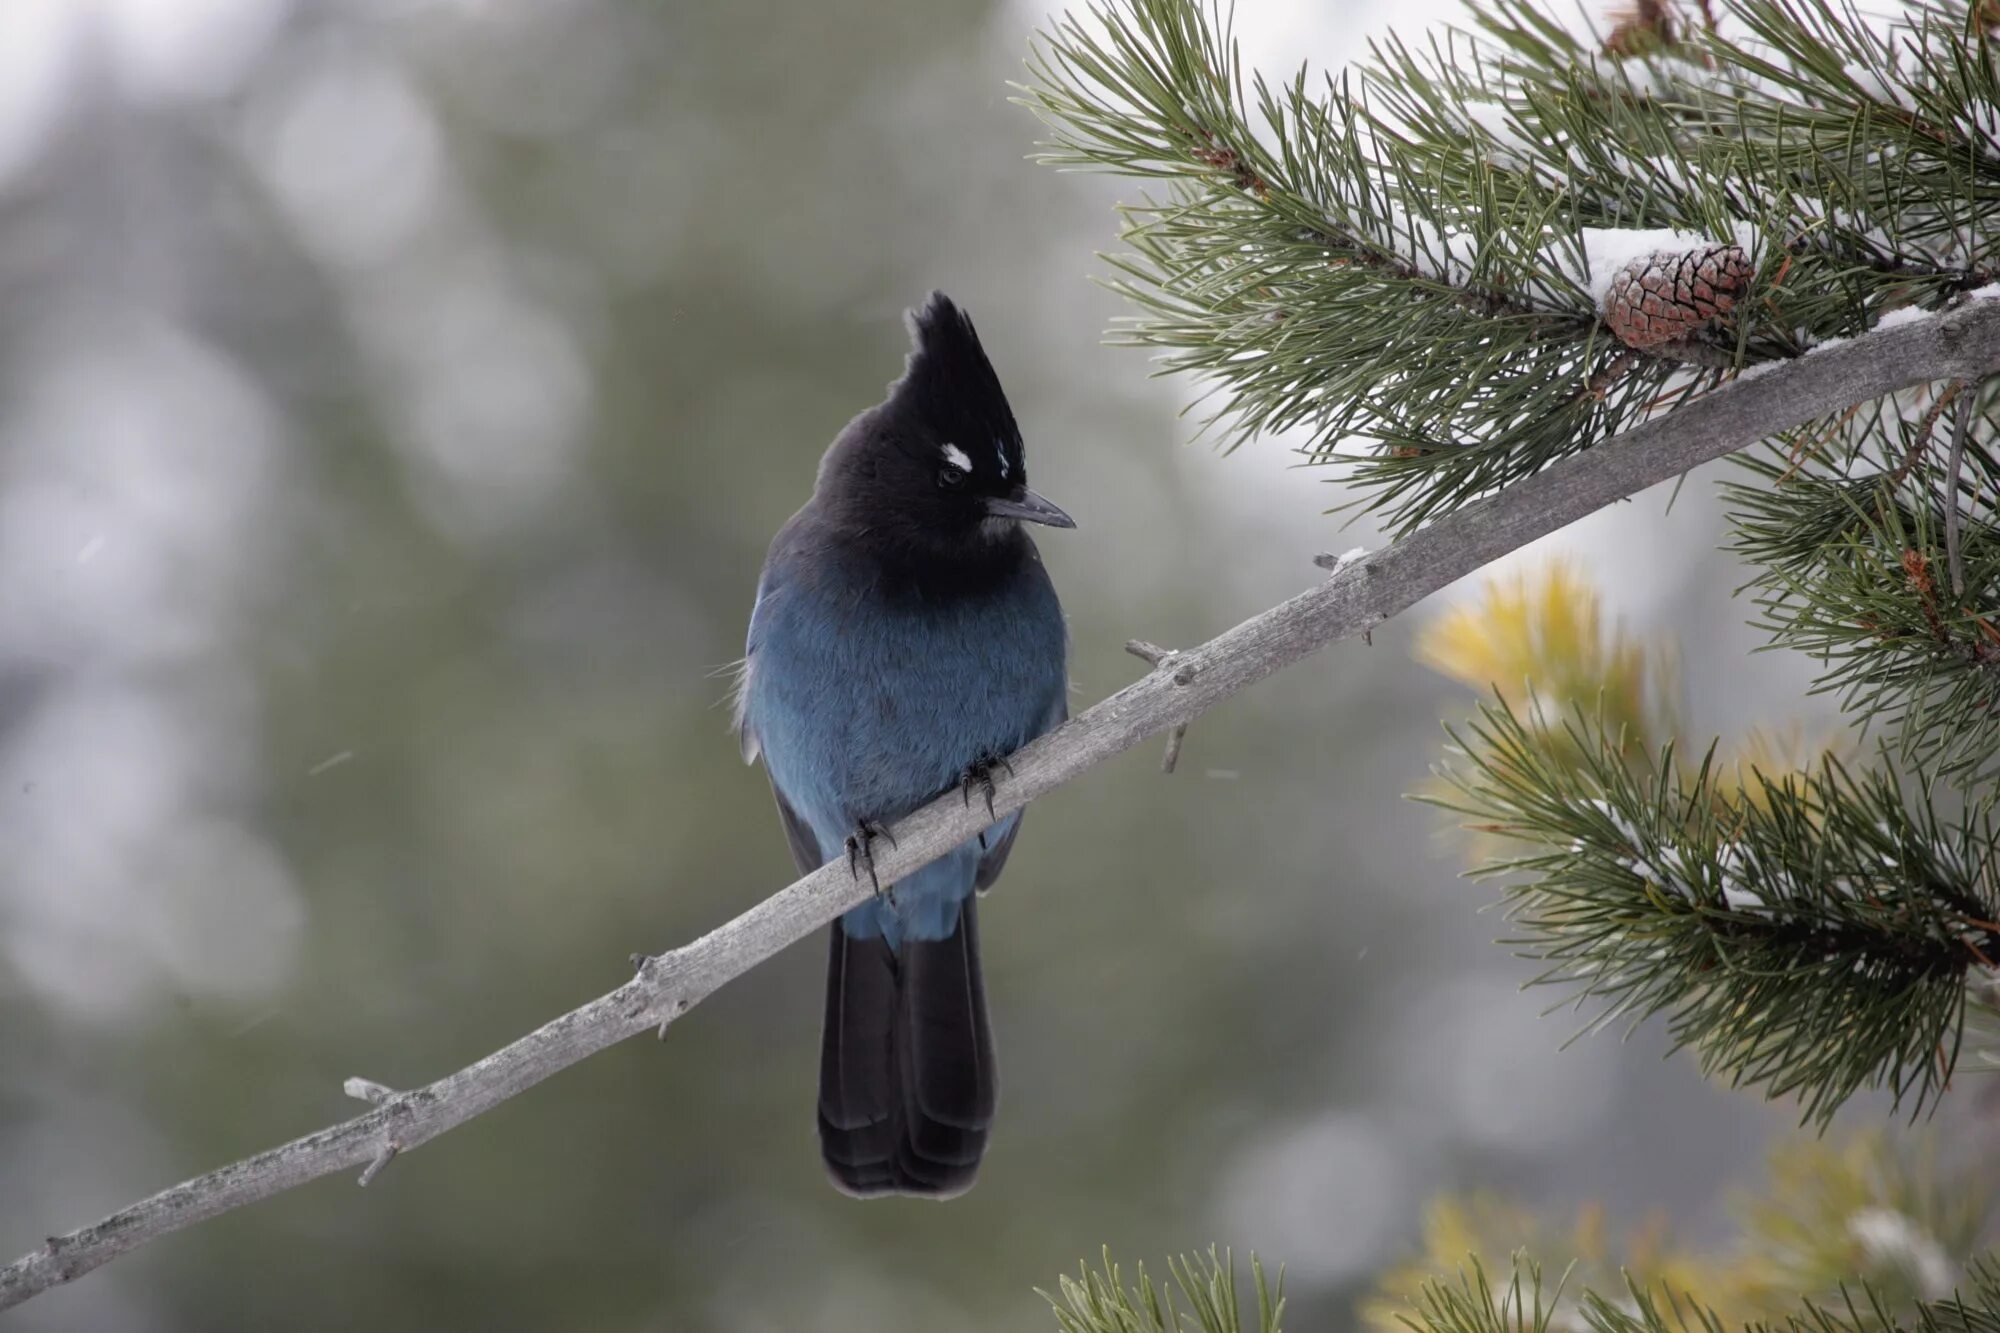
[1663,298]
[1647,26]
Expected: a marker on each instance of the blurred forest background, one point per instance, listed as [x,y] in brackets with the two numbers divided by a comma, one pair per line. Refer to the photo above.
[398,397]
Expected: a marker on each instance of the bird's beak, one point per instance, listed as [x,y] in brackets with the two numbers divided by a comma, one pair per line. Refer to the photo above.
[1029,507]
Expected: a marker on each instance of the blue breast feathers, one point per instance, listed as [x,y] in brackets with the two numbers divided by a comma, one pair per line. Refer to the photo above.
[865,705]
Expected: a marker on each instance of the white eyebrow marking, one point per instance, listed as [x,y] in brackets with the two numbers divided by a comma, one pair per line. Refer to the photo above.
[958,459]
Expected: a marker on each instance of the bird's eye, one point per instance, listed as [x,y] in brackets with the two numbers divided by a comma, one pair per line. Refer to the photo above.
[951,478]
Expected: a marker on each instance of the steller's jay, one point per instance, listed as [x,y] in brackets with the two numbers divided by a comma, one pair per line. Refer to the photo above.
[905,639]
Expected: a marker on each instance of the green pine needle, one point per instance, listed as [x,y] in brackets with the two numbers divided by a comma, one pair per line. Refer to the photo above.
[1845,521]
[1809,935]
[1100,1302]
[1471,1303]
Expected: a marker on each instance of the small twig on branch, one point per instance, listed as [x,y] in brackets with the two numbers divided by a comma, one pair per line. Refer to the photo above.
[1161,658]
[1614,370]
[1964,344]
[374,1168]
[1926,424]
[368,1090]
[375,1094]
[1334,564]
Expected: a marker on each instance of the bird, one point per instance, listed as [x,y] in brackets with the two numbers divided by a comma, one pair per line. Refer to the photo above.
[905,639]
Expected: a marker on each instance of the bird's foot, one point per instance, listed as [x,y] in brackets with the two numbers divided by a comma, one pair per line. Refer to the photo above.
[861,850]
[979,773]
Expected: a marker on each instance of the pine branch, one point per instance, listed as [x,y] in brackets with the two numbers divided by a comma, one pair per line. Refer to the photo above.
[1523,1303]
[1807,934]
[1100,1302]
[1870,1212]
[1882,561]
[1404,256]
[1962,345]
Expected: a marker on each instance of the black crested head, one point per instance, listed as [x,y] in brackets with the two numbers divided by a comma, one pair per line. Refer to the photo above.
[950,390]
[938,466]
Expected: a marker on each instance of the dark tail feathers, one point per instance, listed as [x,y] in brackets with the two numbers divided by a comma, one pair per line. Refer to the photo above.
[906,1078]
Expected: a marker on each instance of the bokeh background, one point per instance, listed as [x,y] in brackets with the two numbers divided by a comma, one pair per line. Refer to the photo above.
[395,399]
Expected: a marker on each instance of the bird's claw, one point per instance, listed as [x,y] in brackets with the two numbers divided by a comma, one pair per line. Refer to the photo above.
[861,850]
[979,774]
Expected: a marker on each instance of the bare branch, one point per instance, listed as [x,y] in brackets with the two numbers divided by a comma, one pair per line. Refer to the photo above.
[1964,344]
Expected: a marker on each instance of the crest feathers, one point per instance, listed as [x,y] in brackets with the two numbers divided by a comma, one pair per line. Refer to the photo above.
[947,378]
